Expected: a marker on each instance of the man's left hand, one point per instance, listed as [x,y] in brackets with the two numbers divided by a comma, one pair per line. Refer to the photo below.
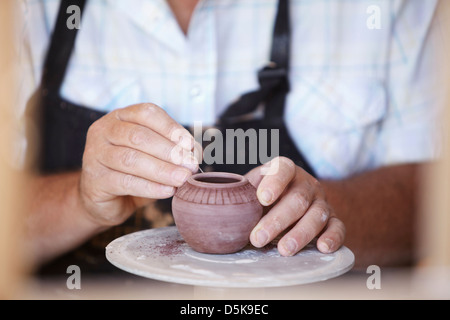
[297,206]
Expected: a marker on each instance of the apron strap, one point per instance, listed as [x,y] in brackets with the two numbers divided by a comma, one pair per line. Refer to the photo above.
[273,78]
[60,49]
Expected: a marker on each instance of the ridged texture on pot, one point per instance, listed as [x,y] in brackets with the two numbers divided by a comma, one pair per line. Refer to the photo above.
[237,195]
[216,218]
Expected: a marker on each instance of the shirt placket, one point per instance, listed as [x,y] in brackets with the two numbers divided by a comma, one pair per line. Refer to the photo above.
[202,65]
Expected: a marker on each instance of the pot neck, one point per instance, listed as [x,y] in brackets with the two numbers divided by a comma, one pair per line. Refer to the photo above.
[218,180]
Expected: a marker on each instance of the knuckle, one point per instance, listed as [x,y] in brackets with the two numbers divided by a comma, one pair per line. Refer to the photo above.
[129,158]
[173,131]
[118,114]
[153,112]
[300,202]
[128,181]
[323,205]
[321,209]
[315,184]
[323,216]
[287,168]
[149,109]
[175,154]
[135,136]
[286,161]
[305,234]
[161,172]
[276,225]
[115,114]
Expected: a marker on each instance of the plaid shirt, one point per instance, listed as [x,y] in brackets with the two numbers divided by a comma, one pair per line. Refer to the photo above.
[363,73]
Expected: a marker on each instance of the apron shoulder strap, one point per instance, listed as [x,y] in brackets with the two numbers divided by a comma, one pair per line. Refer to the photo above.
[273,78]
[61,45]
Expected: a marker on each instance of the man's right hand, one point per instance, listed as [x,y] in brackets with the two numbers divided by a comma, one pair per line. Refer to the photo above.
[133,155]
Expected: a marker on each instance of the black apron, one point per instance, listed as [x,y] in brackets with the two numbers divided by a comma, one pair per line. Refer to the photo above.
[64,126]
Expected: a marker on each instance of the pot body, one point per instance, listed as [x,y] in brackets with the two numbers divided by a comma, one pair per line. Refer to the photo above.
[215,212]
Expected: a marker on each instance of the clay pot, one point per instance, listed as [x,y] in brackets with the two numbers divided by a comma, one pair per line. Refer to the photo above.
[216,211]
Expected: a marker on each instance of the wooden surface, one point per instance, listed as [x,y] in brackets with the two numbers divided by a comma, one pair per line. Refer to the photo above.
[10,229]
[395,284]
[434,240]
[434,221]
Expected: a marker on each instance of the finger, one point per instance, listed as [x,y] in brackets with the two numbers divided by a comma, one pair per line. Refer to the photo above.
[290,208]
[121,184]
[141,138]
[273,185]
[155,118]
[197,152]
[139,164]
[311,224]
[333,237]
[254,176]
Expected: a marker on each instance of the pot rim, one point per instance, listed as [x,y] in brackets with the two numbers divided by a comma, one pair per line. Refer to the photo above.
[241,180]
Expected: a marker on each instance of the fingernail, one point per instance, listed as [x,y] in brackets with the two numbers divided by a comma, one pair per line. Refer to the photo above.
[325,245]
[167,190]
[180,176]
[266,197]
[290,246]
[261,237]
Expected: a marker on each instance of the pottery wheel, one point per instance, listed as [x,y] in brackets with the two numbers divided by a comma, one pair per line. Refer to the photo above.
[162,254]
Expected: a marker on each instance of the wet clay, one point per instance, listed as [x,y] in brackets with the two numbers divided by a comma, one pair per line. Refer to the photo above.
[216,211]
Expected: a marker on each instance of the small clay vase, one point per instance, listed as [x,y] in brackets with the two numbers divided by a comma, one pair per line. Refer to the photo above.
[216,211]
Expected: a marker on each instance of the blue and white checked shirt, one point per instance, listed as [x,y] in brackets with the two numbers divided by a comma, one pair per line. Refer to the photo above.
[362,90]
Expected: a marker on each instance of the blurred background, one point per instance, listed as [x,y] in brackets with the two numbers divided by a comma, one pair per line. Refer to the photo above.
[429,279]
[12,262]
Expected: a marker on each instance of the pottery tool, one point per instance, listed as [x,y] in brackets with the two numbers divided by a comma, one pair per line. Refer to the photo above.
[192,153]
